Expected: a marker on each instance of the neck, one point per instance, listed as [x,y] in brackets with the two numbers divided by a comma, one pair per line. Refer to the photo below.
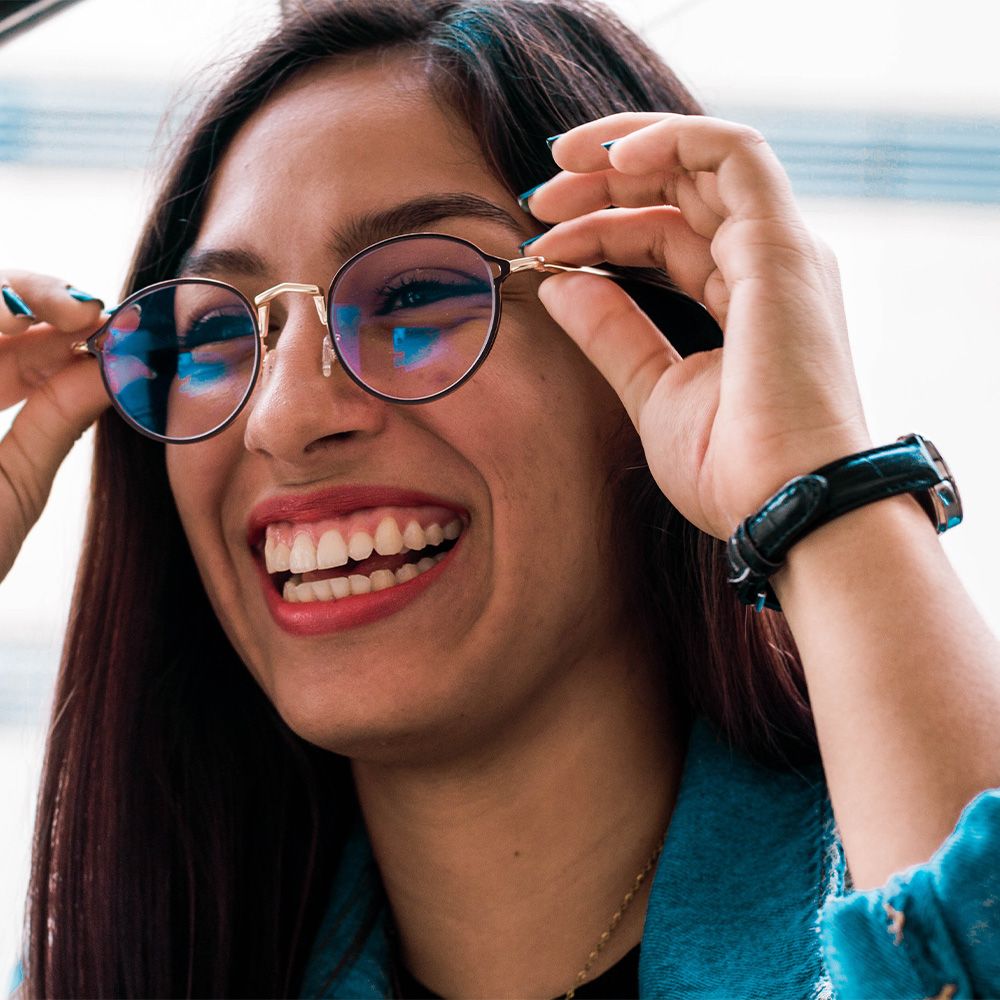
[504,867]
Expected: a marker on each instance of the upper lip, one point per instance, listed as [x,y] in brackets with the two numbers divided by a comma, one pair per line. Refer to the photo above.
[335,502]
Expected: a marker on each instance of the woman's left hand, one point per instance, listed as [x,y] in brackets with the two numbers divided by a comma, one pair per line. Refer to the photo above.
[708,201]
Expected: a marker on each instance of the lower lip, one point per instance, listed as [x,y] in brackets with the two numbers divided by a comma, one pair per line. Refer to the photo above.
[324,617]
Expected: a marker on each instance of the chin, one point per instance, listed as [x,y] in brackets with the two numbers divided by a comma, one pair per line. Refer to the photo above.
[395,717]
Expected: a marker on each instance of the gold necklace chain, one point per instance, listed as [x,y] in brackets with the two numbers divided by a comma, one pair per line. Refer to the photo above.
[616,919]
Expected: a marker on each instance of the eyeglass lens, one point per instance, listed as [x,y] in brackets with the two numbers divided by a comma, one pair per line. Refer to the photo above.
[179,360]
[412,317]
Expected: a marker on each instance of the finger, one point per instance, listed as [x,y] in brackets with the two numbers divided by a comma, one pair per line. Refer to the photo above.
[750,181]
[568,195]
[47,299]
[579,150]
[647,237]
[15,314]
[42,433]
[28,360]
[611,330]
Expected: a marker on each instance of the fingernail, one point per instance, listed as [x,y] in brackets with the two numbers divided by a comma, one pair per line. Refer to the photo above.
[15,303]
[522,199]
[552,138]
[527,243]
[608,145]
[75,293]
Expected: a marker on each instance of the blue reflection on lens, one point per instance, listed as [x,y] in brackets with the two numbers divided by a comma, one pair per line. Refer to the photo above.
[346,320]
[413,345]
[197,375]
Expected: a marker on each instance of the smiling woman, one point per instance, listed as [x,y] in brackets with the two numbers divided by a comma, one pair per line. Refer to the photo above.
[403,650]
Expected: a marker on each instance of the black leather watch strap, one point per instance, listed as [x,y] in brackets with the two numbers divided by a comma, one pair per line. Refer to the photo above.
[761,541]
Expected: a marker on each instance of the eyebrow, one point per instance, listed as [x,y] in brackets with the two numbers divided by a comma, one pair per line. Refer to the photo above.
[359,232]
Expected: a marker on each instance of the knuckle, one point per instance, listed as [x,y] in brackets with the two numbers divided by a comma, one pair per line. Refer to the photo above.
[748,137]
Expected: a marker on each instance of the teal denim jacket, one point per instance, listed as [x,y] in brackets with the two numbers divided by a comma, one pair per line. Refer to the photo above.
[751,899]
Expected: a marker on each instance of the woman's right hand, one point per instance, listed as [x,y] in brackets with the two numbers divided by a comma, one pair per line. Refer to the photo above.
[64,394]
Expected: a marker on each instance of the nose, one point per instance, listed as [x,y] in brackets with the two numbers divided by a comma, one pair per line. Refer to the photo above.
[298,414]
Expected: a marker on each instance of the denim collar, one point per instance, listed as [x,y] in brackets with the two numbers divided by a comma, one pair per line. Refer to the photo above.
[751,854]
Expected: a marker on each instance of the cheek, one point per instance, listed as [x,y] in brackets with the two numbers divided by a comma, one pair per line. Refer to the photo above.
[537,419]
[199,474]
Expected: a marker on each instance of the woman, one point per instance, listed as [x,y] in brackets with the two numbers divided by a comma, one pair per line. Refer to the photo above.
[459,781]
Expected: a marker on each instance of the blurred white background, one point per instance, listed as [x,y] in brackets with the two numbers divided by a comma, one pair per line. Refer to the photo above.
[885,112]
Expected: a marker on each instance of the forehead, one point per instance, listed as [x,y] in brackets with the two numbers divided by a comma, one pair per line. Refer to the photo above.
[339,140]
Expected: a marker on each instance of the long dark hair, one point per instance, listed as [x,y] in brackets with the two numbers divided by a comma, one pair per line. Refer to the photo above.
[185,837]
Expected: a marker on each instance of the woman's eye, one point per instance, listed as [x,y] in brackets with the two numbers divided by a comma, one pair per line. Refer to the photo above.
[210,329]
[418,292]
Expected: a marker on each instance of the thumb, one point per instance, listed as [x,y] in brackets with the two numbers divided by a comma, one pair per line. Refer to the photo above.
[622,343]
[46,427]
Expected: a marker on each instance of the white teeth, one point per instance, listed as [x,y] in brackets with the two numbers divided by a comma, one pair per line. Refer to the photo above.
[360,546]
[382,579]
[303,555]
[388,540]
[331,551]
[413,536]
[276,556]
[334,588]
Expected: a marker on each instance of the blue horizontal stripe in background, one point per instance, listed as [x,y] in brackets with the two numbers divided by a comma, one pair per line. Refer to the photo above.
[826,153]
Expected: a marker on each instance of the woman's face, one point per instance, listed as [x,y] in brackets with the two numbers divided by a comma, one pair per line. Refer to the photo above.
[518,456]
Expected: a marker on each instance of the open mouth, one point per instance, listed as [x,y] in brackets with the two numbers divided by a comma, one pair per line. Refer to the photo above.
[370,551]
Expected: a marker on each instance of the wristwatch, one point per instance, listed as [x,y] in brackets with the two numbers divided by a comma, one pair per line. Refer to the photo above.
[761,541]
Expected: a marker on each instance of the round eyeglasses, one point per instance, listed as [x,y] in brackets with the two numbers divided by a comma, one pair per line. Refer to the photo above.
[409,319]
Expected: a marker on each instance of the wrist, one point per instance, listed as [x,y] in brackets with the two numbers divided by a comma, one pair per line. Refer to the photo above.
[842,554]
[758,547]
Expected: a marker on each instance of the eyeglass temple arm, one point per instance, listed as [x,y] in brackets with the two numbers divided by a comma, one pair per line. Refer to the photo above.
[541,264]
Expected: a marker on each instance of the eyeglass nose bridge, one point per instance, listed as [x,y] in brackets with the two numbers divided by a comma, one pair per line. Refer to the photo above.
[263,304]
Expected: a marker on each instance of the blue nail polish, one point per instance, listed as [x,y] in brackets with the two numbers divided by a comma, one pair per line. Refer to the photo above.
[552,138]
[528,242]
[608,145]
[15,303]
[75,293]
[522,199]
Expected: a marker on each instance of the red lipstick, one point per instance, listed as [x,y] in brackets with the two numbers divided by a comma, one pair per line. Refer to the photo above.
[323,617]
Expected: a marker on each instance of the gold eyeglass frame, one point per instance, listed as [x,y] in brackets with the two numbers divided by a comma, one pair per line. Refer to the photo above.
[260,311]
